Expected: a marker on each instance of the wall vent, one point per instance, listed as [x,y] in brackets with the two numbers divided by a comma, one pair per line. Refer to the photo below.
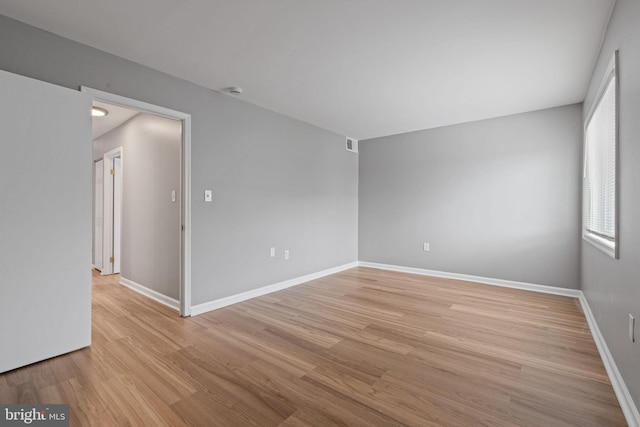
[352,145]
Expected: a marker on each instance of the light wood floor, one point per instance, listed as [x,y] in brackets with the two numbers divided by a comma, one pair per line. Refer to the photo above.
[359,348]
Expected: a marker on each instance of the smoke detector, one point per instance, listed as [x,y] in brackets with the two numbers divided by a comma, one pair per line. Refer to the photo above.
[234,90]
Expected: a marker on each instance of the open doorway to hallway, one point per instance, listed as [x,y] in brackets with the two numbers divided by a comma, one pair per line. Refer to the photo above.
[145,152]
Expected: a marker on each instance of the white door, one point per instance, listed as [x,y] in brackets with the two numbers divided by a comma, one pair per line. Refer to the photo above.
[117,212]
[45,160]
[112,211]
[107,223]
[98,218]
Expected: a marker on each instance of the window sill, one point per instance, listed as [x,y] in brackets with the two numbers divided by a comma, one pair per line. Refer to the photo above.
[604,245]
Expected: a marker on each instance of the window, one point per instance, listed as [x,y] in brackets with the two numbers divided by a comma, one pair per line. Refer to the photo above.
[599,225]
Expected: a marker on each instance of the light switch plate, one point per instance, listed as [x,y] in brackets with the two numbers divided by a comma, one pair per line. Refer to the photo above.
[208,196]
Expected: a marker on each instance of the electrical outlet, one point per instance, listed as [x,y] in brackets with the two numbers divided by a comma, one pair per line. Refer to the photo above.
[425,247]
[632,325]
[272,252]
[286,254]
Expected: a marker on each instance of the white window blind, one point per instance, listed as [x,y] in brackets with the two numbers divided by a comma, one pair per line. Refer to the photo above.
[600,168]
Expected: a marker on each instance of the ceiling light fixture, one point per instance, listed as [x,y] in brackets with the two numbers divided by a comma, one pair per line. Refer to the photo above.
[98,112]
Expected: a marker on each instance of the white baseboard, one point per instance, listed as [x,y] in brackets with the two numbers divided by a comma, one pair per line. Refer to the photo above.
[233,299]
[619,387]
[150,293]
[574,293]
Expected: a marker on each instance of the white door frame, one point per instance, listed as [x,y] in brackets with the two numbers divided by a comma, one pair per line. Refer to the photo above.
[118,163]
[98,214]
[110,229]
[185,177]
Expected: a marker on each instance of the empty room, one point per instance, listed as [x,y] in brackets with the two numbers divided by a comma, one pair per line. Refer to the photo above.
[317,213]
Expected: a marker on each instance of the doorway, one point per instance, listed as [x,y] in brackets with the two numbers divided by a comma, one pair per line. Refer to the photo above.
[177,198]
[108,212]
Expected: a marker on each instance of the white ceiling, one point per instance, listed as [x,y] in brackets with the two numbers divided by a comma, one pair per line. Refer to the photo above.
[115,117]
[362,68]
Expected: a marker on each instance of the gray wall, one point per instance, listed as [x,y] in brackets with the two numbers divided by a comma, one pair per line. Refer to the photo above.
[276,181]
[495,198]
[612,287]
[150,220]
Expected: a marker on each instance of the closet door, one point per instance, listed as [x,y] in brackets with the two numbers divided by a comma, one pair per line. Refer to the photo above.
[98,214]
[45,249]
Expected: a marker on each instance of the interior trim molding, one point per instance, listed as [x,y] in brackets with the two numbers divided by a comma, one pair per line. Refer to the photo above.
[150,293]
[233,299]
[185,177]
[574,293]
[629,408]
[625,400]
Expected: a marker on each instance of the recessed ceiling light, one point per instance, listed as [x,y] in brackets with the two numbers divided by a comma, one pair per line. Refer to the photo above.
[98,112]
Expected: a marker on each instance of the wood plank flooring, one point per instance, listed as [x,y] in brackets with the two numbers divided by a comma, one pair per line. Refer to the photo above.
[360,348]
